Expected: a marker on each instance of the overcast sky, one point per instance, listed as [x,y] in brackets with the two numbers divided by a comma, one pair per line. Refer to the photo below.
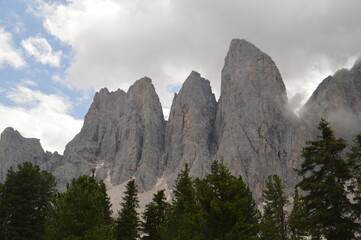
[54,55]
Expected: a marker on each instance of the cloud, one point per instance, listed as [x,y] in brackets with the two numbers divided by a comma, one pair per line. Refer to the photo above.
[166,112]
[28,82]
[8,53]
[40,115]
[116,42]
[39,48]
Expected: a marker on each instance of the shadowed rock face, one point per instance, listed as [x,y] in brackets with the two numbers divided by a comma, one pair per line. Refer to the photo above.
[189,129]
[251,128]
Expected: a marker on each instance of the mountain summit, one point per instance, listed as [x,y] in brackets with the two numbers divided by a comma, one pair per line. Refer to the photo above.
[250,128]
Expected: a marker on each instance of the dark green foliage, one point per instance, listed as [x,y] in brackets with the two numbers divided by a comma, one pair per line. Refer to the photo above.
[154,216]
[227,208]
[355,161]
[2,214]
[25,201]
[183,220]
[82,212]
[127,225]
[297,230]
[329,213]
[274,219]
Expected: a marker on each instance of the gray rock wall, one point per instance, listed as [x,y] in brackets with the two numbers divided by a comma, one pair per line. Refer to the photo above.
[251,128]
[256,132]
[189,128]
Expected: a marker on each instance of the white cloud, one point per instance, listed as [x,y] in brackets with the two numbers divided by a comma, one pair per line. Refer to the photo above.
[116,42]
[40,115]
[166,112]
[39,48]
[8,53]
[29,82]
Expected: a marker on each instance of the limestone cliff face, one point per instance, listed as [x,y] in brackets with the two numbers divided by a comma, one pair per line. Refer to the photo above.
[189,128]
[122,137]
[96,141]
[15,149]
[140,138]
[256,132]
[251,128]
[338,100]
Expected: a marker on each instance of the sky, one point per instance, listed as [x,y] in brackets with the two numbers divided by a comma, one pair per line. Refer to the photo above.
[54,55]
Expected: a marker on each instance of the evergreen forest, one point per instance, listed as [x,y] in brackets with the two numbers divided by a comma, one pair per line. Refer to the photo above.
[325,204]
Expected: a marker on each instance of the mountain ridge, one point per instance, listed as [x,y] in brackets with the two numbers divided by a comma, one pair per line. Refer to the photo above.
[250,127]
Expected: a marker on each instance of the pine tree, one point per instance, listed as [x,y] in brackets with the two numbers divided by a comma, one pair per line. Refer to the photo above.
[25,202]
[82,212]
[355,161]
[296,218]
[154,216]
[127,225]
[228,210]
[2,214]
[274,220]
[182,219]
[354,158]
[325,175]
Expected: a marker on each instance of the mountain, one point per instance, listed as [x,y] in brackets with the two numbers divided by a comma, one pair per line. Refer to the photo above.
[257,135]
[338,99]
[189,128]
[250,128]
[122,137]
[15,149]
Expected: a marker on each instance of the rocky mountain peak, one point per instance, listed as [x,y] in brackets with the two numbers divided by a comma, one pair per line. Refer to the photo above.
[189,128]
[10,133]
[244,50]
[252,117]
[251,128]
[122,137]
[15,149]
[13,138]
[143,93]
[195,84]
[254,73]
[357,65]
[338,100]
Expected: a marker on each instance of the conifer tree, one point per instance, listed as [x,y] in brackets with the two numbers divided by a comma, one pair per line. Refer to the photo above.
[274,219]
[154,216]
[355,161]
[325,174]
[296,218]
[355,164]
[25,202]
[2,214]
[227,208]
[182,220]
[82,212]
[127,225]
